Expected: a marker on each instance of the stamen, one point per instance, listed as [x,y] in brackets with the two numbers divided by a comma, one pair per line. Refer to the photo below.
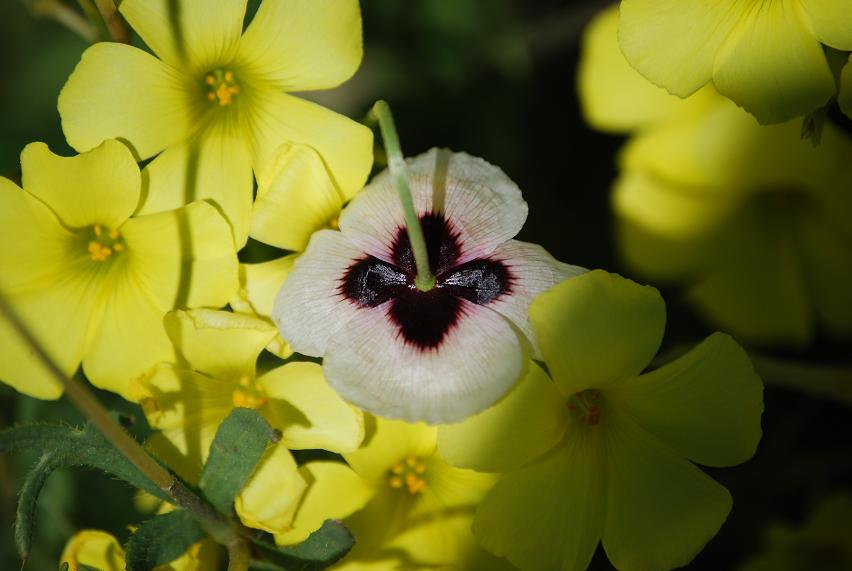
[248,393]
[585,403]
[409,474]
[221,87]
[104,242]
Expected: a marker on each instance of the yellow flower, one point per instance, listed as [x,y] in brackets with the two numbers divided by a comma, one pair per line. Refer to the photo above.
[90,279]
[766,56]
[411,509]
[845,96]
[219,350]
[753,219]
[296,196]
[213,102]
[603,452]
[100,550]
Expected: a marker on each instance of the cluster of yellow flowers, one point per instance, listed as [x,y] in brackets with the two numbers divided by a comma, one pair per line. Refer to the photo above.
[560,441]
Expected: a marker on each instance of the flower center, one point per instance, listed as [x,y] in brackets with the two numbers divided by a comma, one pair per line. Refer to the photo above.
[249,394]
[103,243]
[409,474]
[424,318]
[222,86]
[586,405]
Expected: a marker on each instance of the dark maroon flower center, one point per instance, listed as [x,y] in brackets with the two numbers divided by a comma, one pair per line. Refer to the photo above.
[425,318]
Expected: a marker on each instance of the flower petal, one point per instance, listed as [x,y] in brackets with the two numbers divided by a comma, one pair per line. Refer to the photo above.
[830,21]
[844,98]
[295,198]
[309,309]
[306,410]
[705,405]
[278,118]
[190,35]
[100,186]
[478,200]
[557,501]
[532,271]
[121,92]
[387,442]
[661,509]
[220,344]
[334,491]
[183,257]
[614,96]
[93,548]
[526,423]
[187,408]
[259,284]
[303,45]
[269,500]
[215,165]
[597,328]
[130,338]
[674,42]
[372,365]
[772,65]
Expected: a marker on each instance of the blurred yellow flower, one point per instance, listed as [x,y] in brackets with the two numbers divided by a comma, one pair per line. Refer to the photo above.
[217,372]
[603,452]
[845,96]
[765,56]
[753,220]
[100,550]
[212,103]
[93,281]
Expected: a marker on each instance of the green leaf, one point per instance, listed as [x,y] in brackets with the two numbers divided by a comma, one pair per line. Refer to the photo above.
[161,540]
[28,501]
[237,448]
[324,547]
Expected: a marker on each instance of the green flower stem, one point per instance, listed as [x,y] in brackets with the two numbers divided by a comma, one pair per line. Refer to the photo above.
[219,528]
[66,16]
[396,163]
[113,20]
[816,380]
[239,556]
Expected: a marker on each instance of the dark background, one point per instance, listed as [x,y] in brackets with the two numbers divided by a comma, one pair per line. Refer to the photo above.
[494,78]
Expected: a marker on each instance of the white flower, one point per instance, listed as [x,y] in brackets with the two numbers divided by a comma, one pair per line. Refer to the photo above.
[396,351]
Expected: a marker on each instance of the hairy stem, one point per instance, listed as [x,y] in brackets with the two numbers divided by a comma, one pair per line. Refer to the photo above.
[396,163]
[115,24]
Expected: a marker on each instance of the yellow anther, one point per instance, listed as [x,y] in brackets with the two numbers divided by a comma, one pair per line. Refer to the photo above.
[398,468]
[411,461]
[408,473]
[222,86]
[229,76]
[209,80]
[395,482]
[248,393]
[585,404]
[106,241]
[98,230]
[118,247]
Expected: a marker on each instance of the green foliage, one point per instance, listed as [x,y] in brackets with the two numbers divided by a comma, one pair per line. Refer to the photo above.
[322,549]
[161,540]
[237,448]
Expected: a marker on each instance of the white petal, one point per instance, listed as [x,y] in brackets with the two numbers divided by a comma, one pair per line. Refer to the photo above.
[309,309]
[481,203]
[372,364]
[532,270]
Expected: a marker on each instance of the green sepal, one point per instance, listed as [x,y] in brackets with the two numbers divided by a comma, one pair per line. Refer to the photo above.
[237,448]
[323,548]
[161,540]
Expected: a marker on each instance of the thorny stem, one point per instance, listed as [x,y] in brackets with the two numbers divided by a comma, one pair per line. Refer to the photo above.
[396,163]
[114,22]
[219,528]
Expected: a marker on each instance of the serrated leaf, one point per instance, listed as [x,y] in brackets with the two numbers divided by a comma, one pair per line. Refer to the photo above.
[161,540]
[237,448]
[323,548]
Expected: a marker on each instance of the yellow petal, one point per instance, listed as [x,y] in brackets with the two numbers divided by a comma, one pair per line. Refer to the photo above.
[94,548]
[705,405]
[308,412]
[674,42]
[303,45]
[334,491]
[597,328]
[772,65]
[190,35]
[214,165]
[527,422]
[271,496]
[614,96]
[295,198]
[261,284]
[183,257]
[100,186]
[844,98]
[831,22]
[220,344]
[345,146]
[387,442]
[140,101]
